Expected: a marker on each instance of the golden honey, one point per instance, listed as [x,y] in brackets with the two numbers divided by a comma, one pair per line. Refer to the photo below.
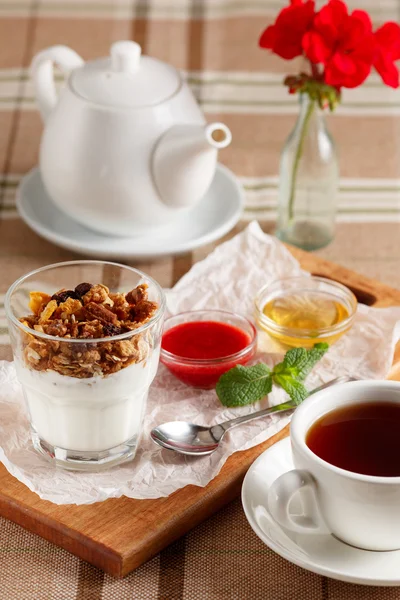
[309,312]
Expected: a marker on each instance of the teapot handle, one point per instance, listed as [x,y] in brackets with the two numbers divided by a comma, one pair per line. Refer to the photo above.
[43,76]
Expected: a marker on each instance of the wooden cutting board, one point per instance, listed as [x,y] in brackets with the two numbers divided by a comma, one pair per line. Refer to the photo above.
[119,535]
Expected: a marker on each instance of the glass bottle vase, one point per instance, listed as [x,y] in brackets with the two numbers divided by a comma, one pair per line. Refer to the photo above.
[308,181]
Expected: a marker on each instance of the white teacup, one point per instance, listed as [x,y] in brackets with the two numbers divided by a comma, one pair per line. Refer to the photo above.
[361,510]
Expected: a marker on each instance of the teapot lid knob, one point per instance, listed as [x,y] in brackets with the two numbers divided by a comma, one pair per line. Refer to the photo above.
[125,56]
[125,79]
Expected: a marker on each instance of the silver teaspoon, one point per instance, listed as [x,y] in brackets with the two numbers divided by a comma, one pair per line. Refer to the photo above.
[195,440]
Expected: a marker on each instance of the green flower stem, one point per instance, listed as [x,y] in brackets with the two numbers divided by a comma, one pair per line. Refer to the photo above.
[297,158]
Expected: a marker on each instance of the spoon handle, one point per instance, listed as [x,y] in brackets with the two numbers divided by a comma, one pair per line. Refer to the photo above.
[218,431]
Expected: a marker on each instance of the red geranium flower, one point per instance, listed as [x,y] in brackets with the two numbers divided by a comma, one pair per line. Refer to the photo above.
[387,40]
[343,43]
[284,38]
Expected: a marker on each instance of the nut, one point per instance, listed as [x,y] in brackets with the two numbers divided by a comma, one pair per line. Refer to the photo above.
[98,293]
[98,311]
[143,311]
[138,294]
[56,328]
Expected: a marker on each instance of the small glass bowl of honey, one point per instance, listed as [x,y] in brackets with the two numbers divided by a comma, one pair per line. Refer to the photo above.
[305,310]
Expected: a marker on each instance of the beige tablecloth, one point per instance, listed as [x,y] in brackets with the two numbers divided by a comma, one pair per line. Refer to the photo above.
[215,41]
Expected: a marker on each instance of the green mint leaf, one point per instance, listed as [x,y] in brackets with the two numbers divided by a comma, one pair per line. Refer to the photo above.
[314,355]
[295,389]
[298,362]
[293,362]
[295,358]
[244,385]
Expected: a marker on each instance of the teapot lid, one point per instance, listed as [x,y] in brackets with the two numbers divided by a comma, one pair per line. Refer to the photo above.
[126,79]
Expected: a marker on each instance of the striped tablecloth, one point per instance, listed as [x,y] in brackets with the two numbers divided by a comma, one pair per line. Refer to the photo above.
[215,43]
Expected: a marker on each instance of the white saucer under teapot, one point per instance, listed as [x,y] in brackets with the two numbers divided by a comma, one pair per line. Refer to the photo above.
[125,146]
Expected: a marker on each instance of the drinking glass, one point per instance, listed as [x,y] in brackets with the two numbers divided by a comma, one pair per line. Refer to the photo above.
[85,398]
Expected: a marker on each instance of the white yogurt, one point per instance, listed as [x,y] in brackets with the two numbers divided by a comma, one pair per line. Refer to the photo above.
[93,414]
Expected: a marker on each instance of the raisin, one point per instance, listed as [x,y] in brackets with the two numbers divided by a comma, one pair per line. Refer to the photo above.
[83,289]
[110,329]
[63,296]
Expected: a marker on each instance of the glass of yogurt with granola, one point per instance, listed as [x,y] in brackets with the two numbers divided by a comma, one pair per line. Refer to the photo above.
[86,344]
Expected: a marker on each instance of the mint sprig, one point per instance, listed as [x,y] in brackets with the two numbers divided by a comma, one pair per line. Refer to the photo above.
[245,385]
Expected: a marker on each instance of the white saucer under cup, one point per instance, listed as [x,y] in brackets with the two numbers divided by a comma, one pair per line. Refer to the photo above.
[214,216]
[319,553]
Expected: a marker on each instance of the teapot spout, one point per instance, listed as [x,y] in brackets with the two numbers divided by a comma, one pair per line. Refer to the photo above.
[184,162]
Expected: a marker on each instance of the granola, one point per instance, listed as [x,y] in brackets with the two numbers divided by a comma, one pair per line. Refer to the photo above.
[86,313]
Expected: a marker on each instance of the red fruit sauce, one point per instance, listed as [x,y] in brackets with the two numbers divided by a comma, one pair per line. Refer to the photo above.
[204,340]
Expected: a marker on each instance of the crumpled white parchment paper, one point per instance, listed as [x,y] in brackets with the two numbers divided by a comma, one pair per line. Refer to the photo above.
[229,279]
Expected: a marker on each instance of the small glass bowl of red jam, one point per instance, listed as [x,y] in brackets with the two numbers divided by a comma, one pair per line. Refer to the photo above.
[199,346]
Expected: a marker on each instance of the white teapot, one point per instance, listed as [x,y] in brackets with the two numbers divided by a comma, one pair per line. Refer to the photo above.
[125,146]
